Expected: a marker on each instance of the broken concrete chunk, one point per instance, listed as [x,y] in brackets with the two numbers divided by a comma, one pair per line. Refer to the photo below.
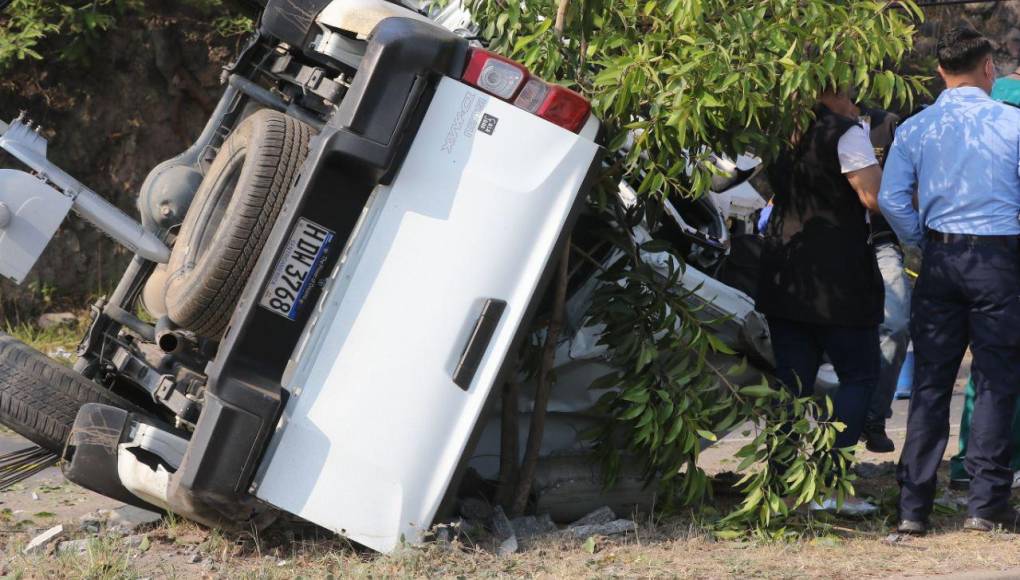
[73,547]
[504,531]
[608,529]
[44,539]
[508,546]
[129,518]
[530,526]
[603,515]
[501,526]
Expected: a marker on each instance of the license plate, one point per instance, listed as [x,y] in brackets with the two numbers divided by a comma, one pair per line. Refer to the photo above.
[297,269]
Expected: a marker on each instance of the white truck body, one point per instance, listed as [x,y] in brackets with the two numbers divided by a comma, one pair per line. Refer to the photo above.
[375,425]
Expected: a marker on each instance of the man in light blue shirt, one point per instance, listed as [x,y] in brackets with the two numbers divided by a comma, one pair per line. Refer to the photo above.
[962,157]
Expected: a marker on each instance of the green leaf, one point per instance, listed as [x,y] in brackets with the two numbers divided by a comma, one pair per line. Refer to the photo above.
[589,545]
[707,435]
[757,391]
[632,412]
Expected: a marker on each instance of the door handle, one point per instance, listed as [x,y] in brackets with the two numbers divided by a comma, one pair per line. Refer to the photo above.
[478,342]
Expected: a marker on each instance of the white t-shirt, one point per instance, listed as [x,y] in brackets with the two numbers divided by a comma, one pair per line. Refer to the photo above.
[855,150]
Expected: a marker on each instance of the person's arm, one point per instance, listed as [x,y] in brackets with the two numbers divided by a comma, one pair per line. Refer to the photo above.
[866,182]
[860,166]
[896,196]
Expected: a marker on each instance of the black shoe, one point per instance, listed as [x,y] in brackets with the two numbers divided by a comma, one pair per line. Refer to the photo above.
[876,441]
[1008,521]
[912,528]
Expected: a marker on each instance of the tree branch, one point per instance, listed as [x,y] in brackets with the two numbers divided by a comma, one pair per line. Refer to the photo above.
[561,16]
[543,388]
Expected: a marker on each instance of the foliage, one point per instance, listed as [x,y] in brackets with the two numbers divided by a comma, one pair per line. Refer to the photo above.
[668,396]
[690,76]
[29,21]
[675,81]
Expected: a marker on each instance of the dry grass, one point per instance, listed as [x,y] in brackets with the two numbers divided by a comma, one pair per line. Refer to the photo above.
[675,547]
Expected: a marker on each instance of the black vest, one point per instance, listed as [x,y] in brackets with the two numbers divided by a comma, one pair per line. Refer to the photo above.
[817,265]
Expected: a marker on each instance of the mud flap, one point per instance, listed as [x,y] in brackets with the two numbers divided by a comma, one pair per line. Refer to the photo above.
[90,456]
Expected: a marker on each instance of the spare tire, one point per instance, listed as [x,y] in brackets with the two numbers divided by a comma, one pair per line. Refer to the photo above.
[39,398]
[231,218]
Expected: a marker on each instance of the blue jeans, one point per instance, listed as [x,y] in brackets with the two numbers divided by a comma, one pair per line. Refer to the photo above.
[893,333]
[854,352]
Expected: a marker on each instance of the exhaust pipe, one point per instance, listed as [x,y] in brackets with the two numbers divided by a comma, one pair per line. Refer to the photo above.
[169,338]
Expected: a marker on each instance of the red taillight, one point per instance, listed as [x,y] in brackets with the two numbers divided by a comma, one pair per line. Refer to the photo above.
[565,108]
[506,79]
[494,74]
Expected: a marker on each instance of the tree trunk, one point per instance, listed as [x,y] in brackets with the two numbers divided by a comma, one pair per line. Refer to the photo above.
[509,450]
[543,388]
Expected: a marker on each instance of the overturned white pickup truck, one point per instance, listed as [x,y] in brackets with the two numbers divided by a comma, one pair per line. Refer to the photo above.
[339,270]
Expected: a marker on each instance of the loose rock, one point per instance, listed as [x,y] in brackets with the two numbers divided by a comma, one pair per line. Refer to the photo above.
[52,320]
[44,539]
[531,526]
[508,546]
[608,529]
[504,531]
[195,559]
[73,547]
[129,518]
[91,523]
[603,515]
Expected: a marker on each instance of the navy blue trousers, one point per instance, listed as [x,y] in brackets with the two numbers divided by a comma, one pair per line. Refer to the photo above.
[855,354]
[967,295]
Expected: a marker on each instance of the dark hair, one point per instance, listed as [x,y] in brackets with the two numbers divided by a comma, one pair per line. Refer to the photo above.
[962,49]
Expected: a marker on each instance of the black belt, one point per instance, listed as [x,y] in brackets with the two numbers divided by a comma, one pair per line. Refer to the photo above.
[943,238]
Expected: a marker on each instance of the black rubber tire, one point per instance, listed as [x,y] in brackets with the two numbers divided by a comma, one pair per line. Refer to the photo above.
[39,398]
[231,218]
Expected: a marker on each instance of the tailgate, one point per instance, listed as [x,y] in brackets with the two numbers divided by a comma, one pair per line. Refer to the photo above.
[416,323]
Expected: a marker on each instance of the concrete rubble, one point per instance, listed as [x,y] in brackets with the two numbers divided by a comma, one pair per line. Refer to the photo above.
[601,522]
[532,526]
[603,515]
[504,532]
[73,547]
[44,539]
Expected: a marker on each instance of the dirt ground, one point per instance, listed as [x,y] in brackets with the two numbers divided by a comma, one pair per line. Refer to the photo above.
[673,547]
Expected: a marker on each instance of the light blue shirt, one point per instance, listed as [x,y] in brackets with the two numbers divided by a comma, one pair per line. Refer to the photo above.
[962,155]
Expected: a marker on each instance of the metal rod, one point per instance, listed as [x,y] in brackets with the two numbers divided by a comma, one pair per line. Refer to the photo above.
[272,101]
[132,322]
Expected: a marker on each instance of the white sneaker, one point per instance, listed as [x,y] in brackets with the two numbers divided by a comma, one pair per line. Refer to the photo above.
[1016,480]
[852,506]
